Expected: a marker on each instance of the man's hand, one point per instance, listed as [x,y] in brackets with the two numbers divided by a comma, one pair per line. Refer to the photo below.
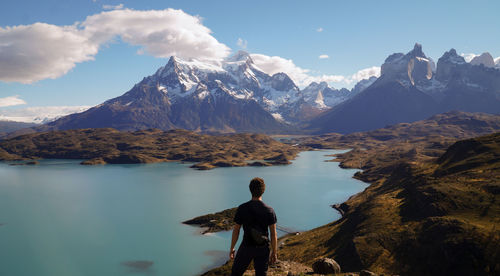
[234,239]
[273,258]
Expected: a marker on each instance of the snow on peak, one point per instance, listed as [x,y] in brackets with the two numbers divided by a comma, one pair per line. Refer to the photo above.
[239,56]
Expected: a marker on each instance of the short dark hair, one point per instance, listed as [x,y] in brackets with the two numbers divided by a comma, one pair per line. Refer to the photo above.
[257,187]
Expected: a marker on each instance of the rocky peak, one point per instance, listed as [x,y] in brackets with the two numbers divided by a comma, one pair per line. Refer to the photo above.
[451,57]
[317,86]
[450,65]
[412,68]
[239,56]
[282,82]
[417,51]
[484,59]
[362,85]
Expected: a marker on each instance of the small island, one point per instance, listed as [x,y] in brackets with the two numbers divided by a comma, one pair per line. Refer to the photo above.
[212,223]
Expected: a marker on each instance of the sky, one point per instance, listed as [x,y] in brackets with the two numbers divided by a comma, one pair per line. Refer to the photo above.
[79,53]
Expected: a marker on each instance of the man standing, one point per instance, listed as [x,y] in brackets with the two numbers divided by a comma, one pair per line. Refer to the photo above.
[256,217]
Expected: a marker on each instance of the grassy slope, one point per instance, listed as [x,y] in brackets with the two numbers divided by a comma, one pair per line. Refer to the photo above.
[418,218]
[420,215]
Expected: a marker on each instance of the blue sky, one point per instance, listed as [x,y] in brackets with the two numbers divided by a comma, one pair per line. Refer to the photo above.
[353,34]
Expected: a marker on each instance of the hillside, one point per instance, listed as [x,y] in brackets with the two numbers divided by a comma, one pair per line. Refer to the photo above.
[11,126]
[101,146]
[418,218]
[432,207]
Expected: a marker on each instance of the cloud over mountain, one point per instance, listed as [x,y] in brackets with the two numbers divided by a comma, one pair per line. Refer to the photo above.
[302,77]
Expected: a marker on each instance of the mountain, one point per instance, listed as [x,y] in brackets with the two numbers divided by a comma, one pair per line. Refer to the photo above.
[234,96]
[322,96]
[412,88]
[10,126]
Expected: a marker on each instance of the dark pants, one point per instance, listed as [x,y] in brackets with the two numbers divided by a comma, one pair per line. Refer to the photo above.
[259,255]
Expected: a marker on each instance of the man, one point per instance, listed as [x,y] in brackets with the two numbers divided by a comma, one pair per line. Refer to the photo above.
[256,217]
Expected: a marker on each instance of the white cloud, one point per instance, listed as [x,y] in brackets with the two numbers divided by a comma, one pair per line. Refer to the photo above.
[365,74]
[274,64]
[323,57]
[29,53]
[39,114]
[319,30]
[11,101]
[161,33]
[242,43]
[111,7]
[468,57]
[497,61]
[302,77]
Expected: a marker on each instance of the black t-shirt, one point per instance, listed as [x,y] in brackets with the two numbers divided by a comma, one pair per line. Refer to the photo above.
[256,214]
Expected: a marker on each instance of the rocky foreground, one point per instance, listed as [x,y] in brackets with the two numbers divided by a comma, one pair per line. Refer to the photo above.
[433,206]
[110,146]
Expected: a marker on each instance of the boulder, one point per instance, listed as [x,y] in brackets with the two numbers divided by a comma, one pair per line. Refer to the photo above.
[367,273]
[326,266]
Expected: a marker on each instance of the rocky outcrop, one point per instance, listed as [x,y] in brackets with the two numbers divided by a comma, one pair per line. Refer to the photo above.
[326,266]
[484,59]
[366,273]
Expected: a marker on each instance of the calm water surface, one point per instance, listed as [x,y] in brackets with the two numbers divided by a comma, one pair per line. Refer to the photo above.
[61,218]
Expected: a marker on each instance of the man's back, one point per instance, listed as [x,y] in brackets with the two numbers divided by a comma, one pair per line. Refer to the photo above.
[256,214]
[256,217]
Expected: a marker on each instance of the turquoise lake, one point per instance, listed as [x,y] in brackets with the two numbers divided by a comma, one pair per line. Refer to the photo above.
[62,218]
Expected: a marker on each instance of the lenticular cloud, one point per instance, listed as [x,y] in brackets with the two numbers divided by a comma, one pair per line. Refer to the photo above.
[29,53]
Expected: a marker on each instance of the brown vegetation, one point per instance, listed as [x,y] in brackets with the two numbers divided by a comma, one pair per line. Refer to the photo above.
[433,206]
[110,146]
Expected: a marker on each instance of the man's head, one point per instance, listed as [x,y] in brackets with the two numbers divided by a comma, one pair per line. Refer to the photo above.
[257,187]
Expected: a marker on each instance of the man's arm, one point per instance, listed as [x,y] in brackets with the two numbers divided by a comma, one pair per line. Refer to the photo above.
[234,239]
[274,244]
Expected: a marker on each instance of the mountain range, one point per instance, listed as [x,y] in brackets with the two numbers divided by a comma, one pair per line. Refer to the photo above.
[411,87]
[235,95]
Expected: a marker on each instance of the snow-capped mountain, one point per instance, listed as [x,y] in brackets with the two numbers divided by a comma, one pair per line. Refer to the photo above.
[237,77]
[232,95]
[412,88]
